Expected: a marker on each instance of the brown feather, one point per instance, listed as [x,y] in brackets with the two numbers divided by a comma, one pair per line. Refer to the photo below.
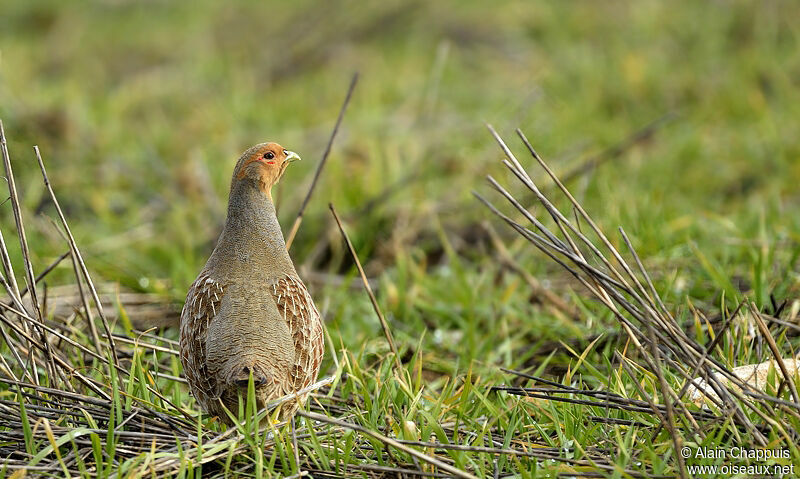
[299,312]
[202,304]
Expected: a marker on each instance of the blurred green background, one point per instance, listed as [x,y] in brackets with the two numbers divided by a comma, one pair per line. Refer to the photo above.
[141,108]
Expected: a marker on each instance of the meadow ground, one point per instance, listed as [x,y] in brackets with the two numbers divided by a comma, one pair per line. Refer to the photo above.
[676,121]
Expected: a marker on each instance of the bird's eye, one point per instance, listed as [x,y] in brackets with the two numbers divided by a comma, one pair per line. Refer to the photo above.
[269,155]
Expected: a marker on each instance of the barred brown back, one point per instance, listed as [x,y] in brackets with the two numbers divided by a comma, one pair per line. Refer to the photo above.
[298,310]
[202,304]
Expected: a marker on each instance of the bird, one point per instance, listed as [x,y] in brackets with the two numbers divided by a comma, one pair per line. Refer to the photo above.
[248,312]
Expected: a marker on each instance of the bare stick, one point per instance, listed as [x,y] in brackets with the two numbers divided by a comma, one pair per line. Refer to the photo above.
[299,218]
[615,151]
[9,281]
[789,378]
[389,442]
[85,302]
[542,294]
[45,272]
[30,279]
[74,247]
[16,355]
[677,440]
[8,269]
[12,190]
[384,324]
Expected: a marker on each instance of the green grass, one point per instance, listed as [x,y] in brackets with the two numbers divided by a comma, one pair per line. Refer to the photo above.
[140,111]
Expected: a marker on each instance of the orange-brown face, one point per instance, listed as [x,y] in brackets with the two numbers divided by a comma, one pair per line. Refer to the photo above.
[265,163]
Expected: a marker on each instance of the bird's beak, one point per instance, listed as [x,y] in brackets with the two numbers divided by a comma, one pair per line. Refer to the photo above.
[291,156]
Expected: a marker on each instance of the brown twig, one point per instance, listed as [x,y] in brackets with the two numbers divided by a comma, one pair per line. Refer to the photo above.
[8,268]
[45,272]
[386,331]
[299,219]
[30,278]
[541,293]
[79,259]
[789,378]
[615,151]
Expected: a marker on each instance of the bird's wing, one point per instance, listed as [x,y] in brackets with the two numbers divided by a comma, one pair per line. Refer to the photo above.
[298,310]
[202,305]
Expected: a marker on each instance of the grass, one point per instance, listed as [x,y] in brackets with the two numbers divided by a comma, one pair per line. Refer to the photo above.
[140,111]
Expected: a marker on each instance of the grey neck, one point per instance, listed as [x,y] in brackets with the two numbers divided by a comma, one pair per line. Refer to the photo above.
[251,244]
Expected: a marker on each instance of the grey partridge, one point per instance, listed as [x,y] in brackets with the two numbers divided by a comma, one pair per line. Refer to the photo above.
[248,312]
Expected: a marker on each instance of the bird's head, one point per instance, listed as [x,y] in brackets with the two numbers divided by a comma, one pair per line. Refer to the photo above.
[264,164]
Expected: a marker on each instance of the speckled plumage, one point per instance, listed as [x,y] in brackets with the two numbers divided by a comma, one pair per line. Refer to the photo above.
[248,310]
